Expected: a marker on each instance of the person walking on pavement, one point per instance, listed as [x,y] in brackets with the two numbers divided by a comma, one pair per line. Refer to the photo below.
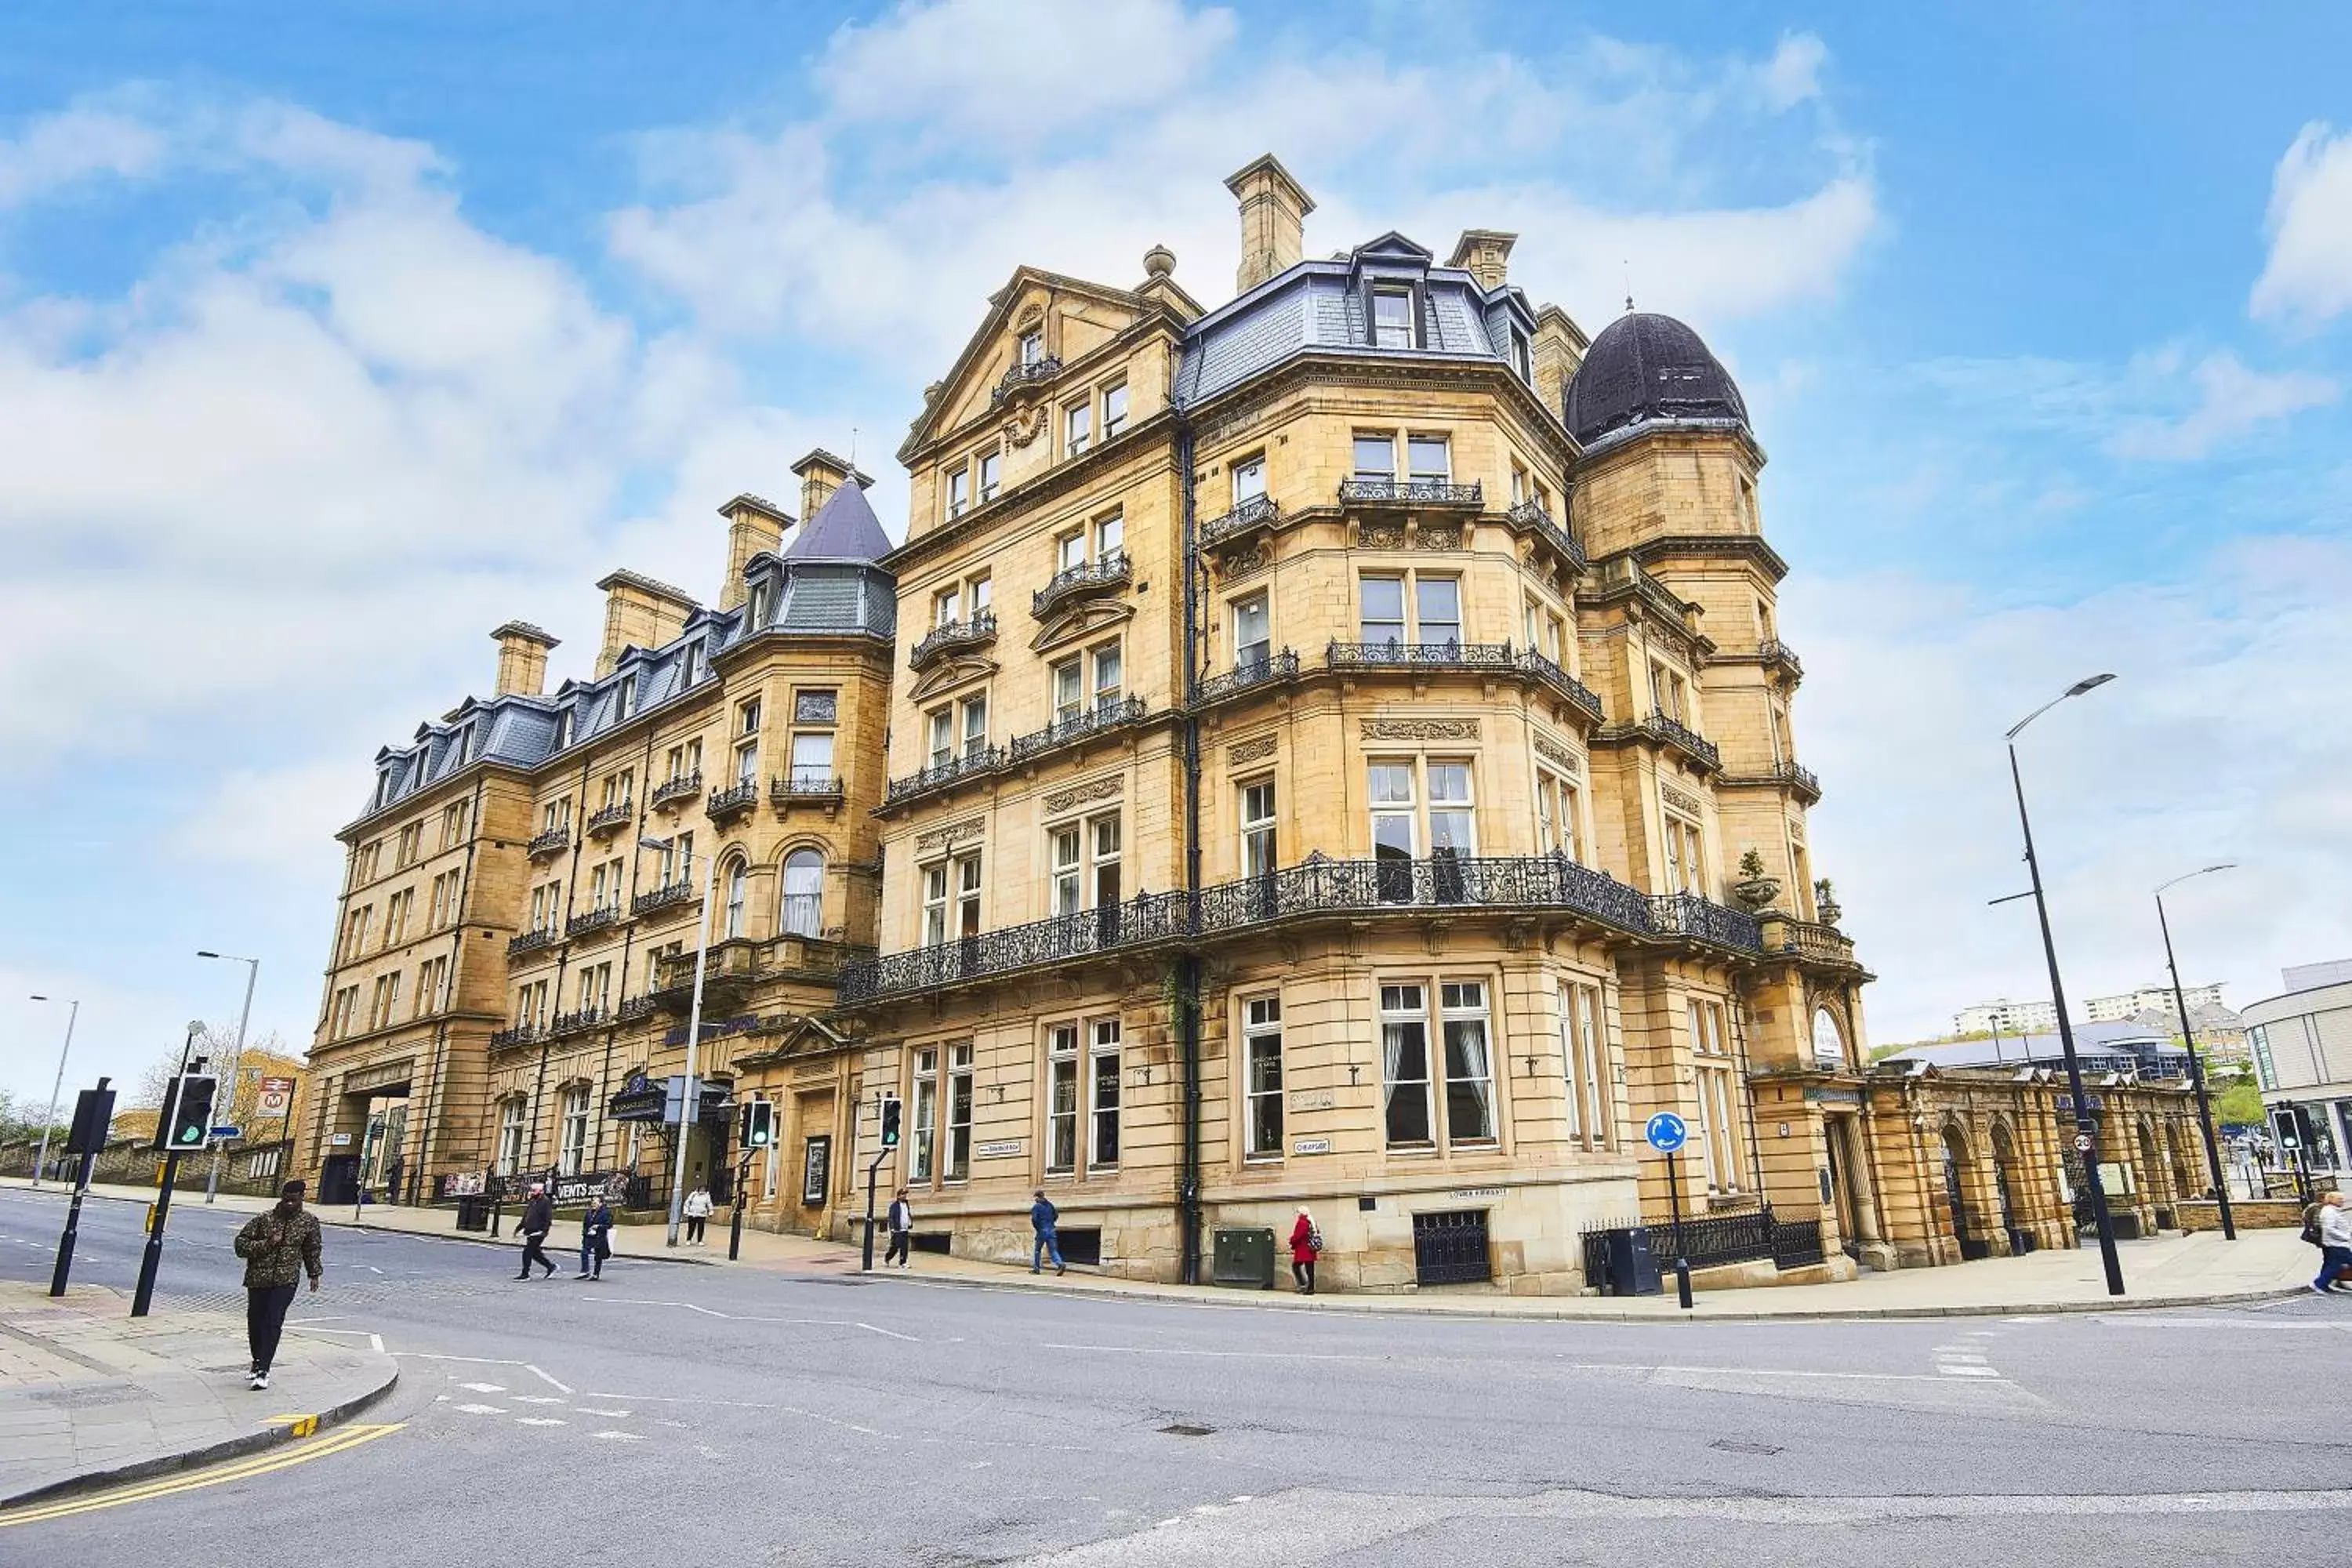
[902,1231]
[1305,1247]
[1044,1218]
[2335,1242]
[697,1213]
[279,1247]
[596,1237]
[538,1219]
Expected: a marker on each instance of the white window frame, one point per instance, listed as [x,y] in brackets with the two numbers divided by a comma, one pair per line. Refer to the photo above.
[960,1093]
[1104,1094]
[1263,1094]
[572,1150]
[922,1153]
[1063,1089]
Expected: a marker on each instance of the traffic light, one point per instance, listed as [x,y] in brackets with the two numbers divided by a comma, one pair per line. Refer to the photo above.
[890,1121]
[759,1124]
[187,1119]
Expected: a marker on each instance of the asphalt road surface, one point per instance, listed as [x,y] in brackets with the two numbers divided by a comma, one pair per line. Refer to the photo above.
[680,1415]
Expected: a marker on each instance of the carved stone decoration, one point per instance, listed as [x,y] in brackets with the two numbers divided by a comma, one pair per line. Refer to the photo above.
[1559,756]
[1032,317]
[1438,536]
[1246,559]
[1681,800]
[1381,536]
[1242,751]
[1093,789]
[952,834]
[1419,729]
[1025,424]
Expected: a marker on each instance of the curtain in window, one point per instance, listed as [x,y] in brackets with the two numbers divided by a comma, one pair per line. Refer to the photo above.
[1469,1081]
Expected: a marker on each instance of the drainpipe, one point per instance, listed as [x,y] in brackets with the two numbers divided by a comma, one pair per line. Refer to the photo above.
[1188,1022]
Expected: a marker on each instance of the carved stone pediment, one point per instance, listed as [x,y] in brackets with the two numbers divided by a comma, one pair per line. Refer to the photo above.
[950,673]
[1083,619]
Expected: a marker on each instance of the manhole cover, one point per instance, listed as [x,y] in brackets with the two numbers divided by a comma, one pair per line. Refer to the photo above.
[1731,1446]
[1186,1429]
[83,1398]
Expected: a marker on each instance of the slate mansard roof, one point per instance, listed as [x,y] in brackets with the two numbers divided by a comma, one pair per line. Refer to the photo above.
[828,584]
[1645,367]
[1314,306]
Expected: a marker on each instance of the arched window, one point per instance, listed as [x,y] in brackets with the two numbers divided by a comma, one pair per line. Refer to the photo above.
[738,876]
[1829,1040]
[803,914]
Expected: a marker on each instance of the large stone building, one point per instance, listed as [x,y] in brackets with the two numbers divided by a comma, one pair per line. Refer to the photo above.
[1331,749]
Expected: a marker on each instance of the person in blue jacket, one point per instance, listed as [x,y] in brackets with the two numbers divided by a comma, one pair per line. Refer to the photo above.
[1042,1218]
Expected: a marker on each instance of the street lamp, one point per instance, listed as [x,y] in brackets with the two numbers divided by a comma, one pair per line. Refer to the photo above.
[236,1060]
[688,1115]
[41,1162]
[2196,1063]
[2086,1134]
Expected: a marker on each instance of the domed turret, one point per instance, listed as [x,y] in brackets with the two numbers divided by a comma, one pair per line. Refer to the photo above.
[1644,367]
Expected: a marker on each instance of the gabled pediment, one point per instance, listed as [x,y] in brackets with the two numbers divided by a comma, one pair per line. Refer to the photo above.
[1394,247]
[1026,303]
[950,673]
[1081,621]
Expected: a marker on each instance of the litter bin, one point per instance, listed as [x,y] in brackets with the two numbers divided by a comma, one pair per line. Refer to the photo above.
[1242,1255]
[474,1214]
[1632,1267]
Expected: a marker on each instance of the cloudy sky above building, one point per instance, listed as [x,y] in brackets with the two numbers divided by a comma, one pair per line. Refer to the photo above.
[332,337]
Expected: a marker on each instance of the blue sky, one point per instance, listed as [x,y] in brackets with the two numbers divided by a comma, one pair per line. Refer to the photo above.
[331,337]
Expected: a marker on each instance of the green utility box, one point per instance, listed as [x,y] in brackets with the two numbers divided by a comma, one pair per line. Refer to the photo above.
[1242,1255]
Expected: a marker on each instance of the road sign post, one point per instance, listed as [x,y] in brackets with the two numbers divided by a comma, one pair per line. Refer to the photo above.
[1666,1133]
[93,1113]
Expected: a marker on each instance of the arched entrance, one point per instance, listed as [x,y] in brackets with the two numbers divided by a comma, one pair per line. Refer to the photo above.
[2005,1167]
[1956,1162]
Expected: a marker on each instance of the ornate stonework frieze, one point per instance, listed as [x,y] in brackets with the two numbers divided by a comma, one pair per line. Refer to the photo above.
[1381,536]
[1246,559]
[1420,730]
[1242,751]
[1559,756]
[1438,536]
[953,833]
[1680,799]
[1093,789]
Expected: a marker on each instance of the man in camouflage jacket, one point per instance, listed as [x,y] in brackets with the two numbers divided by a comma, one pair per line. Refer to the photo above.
[279,1247]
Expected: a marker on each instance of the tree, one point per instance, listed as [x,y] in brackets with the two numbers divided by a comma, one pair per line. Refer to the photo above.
[2239,1105]
[266,1056]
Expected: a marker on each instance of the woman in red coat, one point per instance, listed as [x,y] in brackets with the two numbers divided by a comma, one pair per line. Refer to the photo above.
[1304,1247]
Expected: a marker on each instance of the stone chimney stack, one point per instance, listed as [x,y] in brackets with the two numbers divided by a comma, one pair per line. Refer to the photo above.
[1559,348]
[754,524]
[639,613]
[1487,255]
[1274,220]
[522,658]
[821,473]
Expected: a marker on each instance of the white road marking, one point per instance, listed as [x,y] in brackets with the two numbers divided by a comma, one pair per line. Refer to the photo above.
[598,1410]
[543,1377]
[619,1437]
[739,1405]
[539,1421]
[483,1387]
[537,1399]
[743,1318]
[479,1409]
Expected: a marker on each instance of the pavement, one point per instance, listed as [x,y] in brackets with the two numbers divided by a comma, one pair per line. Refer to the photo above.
[816,1416]
[90,1396]
[2172,1271]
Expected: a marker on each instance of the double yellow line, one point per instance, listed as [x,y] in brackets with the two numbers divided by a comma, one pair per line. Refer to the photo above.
[335,1442]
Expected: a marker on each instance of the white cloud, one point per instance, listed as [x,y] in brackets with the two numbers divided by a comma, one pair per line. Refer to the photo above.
[2232,402]
[1792,75]
[1016,72]
[2307,278]
[60,150]
[2204,750]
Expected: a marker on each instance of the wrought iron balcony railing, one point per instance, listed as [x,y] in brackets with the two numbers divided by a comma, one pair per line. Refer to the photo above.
[667,896]
[595,920]
[551,842]
[611,817]
[634,1008]
[1044,367]
[1111,713]
[1263,671]
[971,762]
[520,1035]
[1112,571]
[738,798]
[684,786]
[1258,511]
[532,941]
[1530,515]
[1775,651]
[953,636]
[788,788]
[573,1022]
[1661,726]
[1427,655]
[1560,681]
[1364,491]
[1316,886]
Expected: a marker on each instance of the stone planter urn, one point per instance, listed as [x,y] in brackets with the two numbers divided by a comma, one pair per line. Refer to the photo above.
[1756,893]
[1825,903]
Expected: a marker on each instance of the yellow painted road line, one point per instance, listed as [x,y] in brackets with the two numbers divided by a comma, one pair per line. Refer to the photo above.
[261,1463]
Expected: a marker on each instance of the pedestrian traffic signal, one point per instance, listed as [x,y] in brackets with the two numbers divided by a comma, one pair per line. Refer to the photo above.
[759,1124]
[187,1119]
[890,1123]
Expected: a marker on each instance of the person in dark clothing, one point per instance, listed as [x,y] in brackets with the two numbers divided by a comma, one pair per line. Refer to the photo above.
[902,1231]
[1045,1220]
[596,1237]
[538,1219]
[279,1247]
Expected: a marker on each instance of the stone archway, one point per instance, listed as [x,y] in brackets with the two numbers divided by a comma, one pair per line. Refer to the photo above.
[2015,1236]
[1958,1163]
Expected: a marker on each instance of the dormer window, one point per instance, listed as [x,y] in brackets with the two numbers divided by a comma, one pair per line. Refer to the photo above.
[1523,358]
[1393,318]
[763,598]
[563,728]
[464,745]
[691,672]
[1032,348]
[625,703]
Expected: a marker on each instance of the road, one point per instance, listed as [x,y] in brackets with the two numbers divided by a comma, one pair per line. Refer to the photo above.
[691,1415]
